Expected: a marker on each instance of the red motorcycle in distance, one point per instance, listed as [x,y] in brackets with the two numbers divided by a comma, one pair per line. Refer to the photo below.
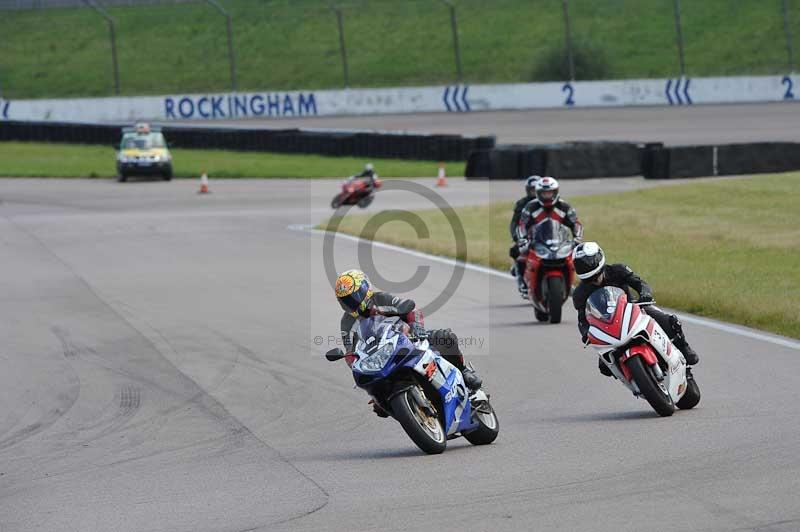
[549,272]
[355,191]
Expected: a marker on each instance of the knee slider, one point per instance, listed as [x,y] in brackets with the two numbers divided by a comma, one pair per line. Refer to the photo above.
[677,326]
[444,338]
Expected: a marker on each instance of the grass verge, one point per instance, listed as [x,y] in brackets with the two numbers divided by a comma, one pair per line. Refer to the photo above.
[37,159]
[168,48]
[725,249]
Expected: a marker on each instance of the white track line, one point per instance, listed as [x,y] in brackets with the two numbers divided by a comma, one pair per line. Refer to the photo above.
[689,318]
[741,331]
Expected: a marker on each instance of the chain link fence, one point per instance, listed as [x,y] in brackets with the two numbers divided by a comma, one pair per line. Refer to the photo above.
[58,48]
[21,5]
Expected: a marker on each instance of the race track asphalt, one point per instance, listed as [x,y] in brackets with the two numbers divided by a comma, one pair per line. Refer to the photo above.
[679,125]
[161,373]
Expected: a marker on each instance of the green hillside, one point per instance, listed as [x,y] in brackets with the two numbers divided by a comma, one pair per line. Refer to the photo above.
[295,44]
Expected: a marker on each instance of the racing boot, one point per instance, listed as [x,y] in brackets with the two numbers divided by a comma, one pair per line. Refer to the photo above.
[513,270]
[522,286]
[690,354]
[471,379]
[681,343]
[379,411]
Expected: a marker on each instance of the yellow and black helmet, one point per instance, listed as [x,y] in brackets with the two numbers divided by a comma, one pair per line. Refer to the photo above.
[353,291]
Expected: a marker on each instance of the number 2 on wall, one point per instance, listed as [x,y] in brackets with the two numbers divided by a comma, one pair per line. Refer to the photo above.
[570,90]
[788,95]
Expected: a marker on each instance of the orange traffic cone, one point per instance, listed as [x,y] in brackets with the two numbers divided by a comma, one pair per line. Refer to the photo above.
[204,184]
[441,181]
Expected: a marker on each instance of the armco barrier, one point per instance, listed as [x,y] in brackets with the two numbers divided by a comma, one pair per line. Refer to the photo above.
[338,143]
[725,159]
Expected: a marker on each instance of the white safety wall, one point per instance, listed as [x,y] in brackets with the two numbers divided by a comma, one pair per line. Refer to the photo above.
[453,98]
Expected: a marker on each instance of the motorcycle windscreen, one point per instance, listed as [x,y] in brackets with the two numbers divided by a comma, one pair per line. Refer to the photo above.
[376,326]
[602,304]
[552,239]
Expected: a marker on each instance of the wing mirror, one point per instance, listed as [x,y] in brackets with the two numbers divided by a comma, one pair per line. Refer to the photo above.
[334,354]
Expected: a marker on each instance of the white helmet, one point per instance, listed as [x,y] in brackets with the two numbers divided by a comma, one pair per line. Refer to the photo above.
[530,184]
[547,191]
[368,167]
[588,259]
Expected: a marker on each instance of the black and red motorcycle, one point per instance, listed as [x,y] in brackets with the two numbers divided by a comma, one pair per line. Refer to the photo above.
[356,191]
[549,272]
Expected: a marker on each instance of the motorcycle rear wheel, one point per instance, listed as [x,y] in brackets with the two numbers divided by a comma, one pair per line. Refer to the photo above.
[365,201]
[657,396]
[488,425]
[692,395]
[424,430]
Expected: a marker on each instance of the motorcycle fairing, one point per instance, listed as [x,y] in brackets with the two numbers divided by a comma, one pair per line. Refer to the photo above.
[550,255]
[642,350]
[620,323]
[449,382]
[443,376]
[353,189]
[672,356]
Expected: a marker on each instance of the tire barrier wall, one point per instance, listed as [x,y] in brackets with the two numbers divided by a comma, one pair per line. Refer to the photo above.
[725,159]
[619,159]
[427,147]
[573,160]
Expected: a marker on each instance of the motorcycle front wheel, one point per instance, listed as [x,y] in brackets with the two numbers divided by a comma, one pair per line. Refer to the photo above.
[555,298]
[337,201]
[422,427]
[655,394]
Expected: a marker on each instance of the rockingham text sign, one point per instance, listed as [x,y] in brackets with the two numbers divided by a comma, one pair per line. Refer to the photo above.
[461,98]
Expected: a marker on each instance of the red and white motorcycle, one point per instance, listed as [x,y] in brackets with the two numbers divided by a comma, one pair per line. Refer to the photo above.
[638,352]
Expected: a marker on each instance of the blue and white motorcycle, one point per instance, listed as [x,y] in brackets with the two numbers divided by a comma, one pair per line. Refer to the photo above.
[418,387]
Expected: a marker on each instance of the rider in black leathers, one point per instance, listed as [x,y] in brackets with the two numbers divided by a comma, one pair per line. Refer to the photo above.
[589,261]
[547,205]
[369,173]
[513,252]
